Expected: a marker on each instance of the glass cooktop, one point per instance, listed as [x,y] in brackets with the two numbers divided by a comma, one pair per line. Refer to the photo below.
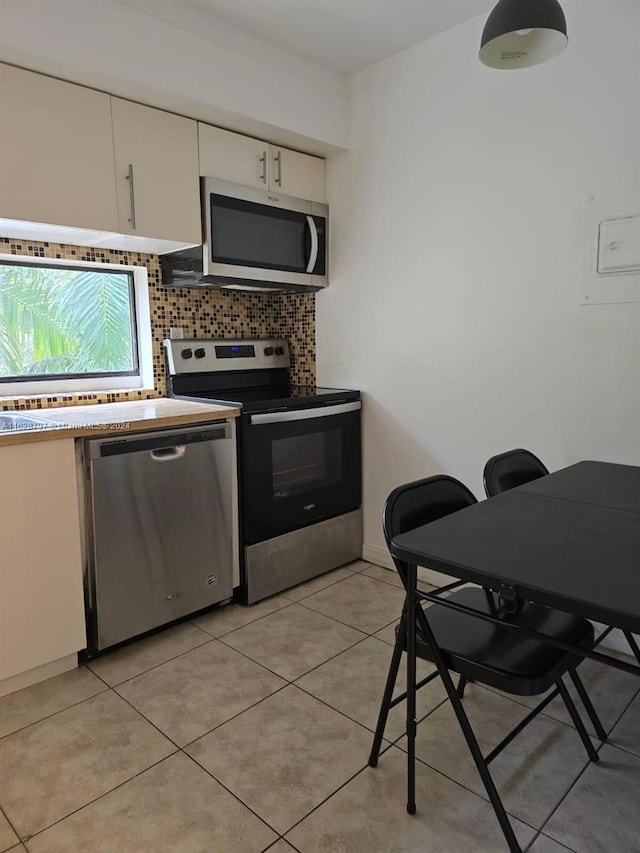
[276,397]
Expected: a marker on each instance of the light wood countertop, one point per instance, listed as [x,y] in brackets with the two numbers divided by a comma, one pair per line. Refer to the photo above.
[106,418]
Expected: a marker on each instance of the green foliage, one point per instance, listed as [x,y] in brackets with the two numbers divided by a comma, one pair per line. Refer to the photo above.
[64,321]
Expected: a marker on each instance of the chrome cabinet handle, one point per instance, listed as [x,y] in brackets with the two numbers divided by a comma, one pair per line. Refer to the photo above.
[278,160]
[263,160]
[132,197]
[313,254]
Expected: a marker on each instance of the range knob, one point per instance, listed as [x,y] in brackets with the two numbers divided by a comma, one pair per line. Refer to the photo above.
[279,350]
[187,353]
[200,352]
[268,350]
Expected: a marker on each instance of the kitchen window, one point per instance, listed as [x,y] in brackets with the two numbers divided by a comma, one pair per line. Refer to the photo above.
[71,327]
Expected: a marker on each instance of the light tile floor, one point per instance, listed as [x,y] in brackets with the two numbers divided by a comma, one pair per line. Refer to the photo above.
[248,729]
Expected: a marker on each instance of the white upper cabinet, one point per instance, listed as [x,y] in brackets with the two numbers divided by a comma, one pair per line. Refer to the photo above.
[297,174]
[56,152]
[232,157]
[157,183]
[253,163]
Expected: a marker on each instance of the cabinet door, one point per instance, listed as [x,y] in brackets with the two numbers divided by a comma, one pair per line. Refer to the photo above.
[41,598]
[157,181]
[232,157]
[300,175]
[56,152]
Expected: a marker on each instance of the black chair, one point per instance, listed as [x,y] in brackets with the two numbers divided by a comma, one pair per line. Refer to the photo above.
[515,468]
[458,641]
[510,469]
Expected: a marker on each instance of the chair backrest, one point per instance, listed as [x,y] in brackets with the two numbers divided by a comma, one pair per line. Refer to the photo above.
[422,501]
[510,469]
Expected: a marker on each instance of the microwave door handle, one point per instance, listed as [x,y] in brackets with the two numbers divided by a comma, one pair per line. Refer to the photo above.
[313,254]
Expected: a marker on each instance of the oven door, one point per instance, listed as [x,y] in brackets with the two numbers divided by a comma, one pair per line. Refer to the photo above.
[299,467]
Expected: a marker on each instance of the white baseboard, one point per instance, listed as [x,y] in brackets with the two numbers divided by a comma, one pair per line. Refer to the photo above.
[39,673]
[381,557]
[377,555]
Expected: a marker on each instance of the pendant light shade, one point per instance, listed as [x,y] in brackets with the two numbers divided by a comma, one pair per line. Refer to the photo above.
[521,33]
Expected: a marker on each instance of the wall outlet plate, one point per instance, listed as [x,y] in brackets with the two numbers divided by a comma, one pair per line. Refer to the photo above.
[176,333]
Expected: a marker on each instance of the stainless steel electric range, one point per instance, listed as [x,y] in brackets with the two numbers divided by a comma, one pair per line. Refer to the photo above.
[299,459]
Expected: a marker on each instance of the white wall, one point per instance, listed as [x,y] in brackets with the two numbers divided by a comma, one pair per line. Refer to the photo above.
[168,54]
[456,265]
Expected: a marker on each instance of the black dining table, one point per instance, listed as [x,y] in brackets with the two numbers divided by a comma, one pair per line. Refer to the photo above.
[569,540]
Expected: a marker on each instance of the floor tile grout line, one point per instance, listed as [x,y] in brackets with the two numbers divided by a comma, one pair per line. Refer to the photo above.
[154,666]
[562,799]
[337,710]
[4,814]
[28,838]
[177,750]
[626,750]
[235,716]
[347,624]
[55,713]
[188,651]
[144,717]
[327,798]
[333,657]
[619,718]
[290,681]
[293,683]
[192,622]
[533,841]
[366,767]
[483,794]
[253,622]
[235,796]
[322,589]
[567,723]
[541,834]
[281,838]
[339,621]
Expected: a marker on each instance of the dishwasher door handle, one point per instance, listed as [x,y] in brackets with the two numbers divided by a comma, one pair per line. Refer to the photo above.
[168,454]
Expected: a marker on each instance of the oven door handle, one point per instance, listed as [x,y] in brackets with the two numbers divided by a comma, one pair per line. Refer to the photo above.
[305,414]
[313,254]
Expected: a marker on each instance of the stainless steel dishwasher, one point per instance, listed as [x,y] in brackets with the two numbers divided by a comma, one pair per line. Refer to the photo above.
[160,511]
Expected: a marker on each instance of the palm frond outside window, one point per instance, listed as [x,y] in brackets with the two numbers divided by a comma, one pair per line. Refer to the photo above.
[58,321]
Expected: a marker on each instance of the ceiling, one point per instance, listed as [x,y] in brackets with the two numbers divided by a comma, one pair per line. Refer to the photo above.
[345,35]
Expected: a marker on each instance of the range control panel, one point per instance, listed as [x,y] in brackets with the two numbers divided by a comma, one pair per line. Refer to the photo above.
[214,356]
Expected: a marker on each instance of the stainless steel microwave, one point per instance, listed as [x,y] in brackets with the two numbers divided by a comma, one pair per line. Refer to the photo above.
[253,240]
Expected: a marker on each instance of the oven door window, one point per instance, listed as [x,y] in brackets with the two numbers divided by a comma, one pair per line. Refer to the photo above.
[256,235]
[295,473]
[303,463]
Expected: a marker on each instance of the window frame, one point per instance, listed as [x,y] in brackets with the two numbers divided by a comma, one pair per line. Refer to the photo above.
[140,378]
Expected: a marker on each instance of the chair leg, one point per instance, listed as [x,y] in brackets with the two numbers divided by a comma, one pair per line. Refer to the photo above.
[634,646]
[577,721]
[471,740]
[412,607]
[461,685]
[588,705]
[388,691]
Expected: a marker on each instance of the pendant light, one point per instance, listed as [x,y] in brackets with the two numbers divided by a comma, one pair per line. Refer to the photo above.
[521,33]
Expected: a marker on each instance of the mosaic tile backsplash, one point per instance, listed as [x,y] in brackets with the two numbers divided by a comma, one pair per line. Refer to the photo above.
[201,312]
